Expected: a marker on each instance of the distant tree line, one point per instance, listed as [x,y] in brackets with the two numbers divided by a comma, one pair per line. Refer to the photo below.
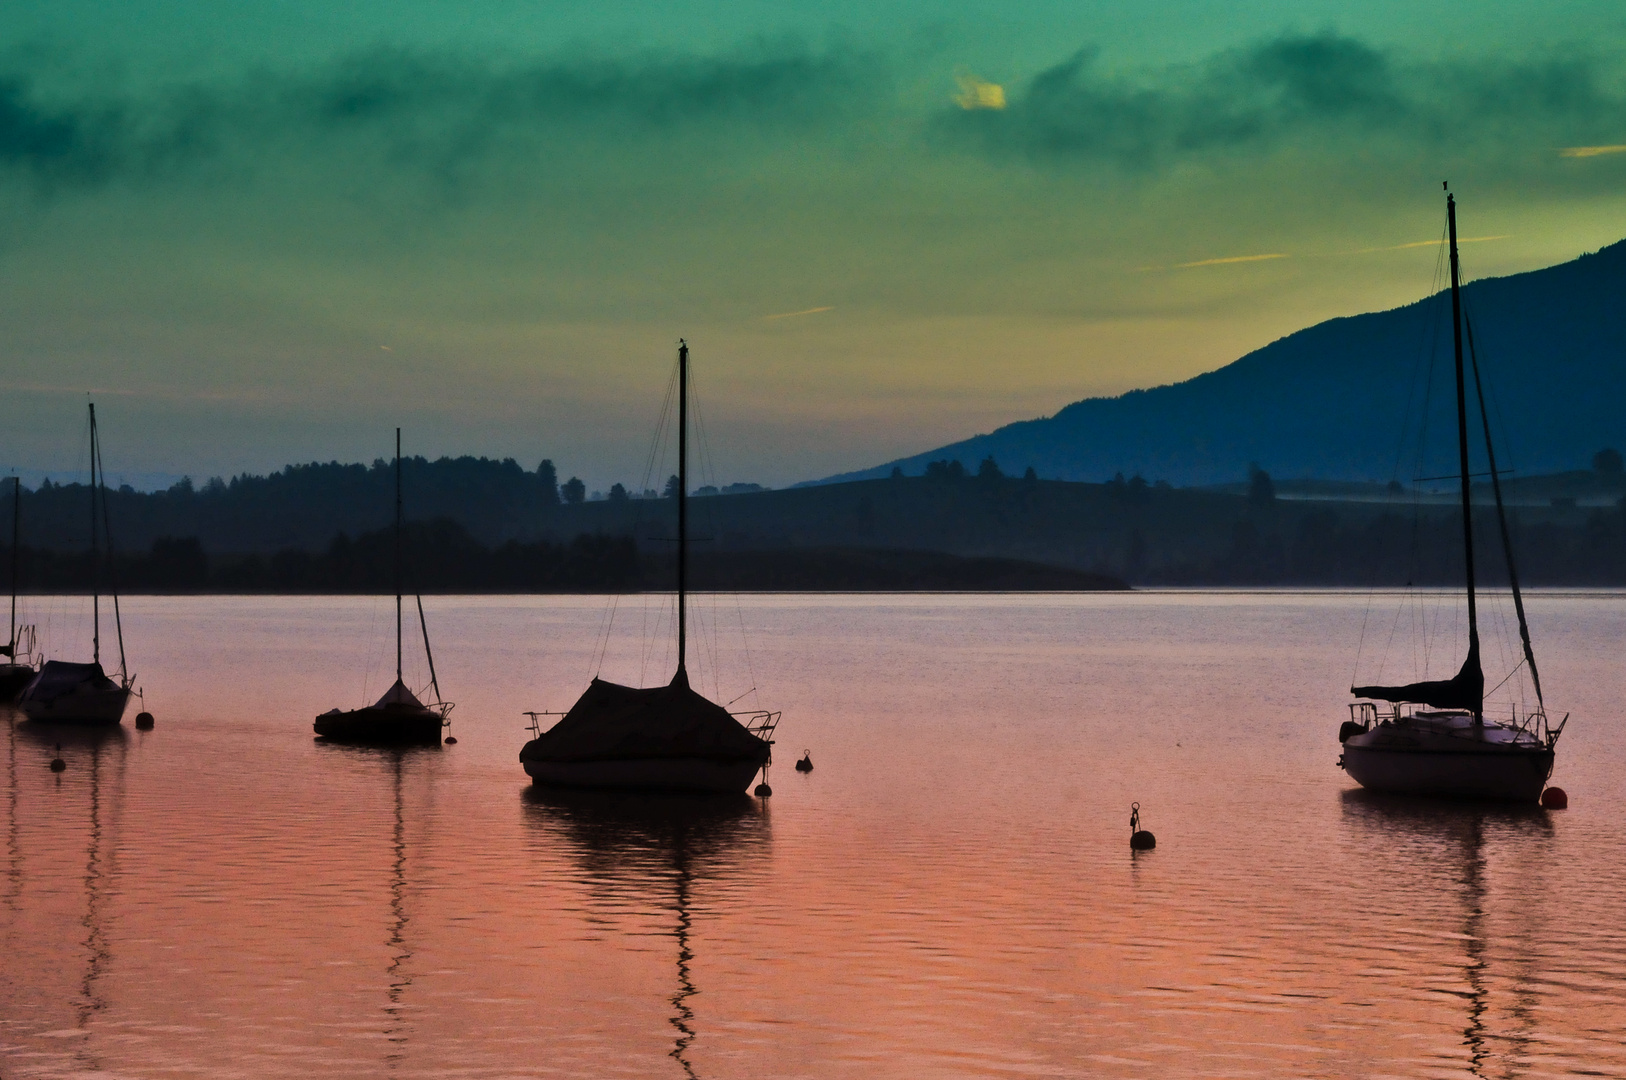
[438,557]
[1324,547]
[262,535]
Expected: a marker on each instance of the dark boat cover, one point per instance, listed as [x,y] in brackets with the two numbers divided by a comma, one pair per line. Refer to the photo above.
[611,722]
[59,678]
[1466,691]
[399,695]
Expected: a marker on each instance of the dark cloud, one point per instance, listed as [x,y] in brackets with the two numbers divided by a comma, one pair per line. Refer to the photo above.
[1308,92]
[431,107]
[77,143]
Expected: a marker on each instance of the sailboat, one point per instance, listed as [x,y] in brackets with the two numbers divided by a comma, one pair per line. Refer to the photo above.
[1433,738]
[662,737]
[398,716]
[16,672]
[70,693]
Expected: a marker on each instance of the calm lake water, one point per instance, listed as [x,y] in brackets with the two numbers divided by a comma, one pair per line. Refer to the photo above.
[949,894]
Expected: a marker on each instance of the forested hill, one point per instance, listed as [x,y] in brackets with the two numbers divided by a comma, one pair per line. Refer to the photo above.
[303,506]
[1342,400]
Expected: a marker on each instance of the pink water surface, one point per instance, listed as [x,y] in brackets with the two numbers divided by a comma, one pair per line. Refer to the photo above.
[950,892]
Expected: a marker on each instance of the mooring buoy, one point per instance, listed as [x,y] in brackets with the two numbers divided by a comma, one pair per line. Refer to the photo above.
[1554,798]
[763,791]
[1139,838]
[143,721]
[451,740]
[57,764]
[806,762]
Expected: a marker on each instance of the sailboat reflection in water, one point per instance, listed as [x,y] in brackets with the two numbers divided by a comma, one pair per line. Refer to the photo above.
[656,738]
[660,847]
[1432,737]
[399,716]
[1443,862]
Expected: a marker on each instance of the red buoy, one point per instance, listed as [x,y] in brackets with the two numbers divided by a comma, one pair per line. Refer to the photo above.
[1555,799]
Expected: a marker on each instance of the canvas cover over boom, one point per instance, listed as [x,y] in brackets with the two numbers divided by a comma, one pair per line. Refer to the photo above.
[611,722]
[59,678]
[399,695]
[1465,691]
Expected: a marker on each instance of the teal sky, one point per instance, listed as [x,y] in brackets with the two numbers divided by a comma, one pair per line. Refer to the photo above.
[266,232]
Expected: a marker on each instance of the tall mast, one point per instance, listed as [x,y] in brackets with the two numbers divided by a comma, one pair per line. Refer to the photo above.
[1501,519]
[683,501]
[107,534]
[1462,430]
[95,553]
[16,538]
[399,553]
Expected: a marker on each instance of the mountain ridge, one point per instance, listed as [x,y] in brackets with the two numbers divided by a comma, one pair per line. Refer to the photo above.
[1549,339]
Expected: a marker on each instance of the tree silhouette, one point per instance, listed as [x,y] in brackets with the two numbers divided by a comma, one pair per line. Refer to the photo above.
[1261,489]
[547,479]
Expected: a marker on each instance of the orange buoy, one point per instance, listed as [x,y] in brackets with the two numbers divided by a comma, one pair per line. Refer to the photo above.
[1555,799]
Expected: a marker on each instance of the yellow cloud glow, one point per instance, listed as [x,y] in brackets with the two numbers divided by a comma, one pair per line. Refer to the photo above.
[1232,259]
[1592,151]
[793,314]
[978,94]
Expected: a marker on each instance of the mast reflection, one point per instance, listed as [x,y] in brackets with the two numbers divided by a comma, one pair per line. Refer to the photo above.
[398,974]
[1453,834]
[656,848]
[89,750]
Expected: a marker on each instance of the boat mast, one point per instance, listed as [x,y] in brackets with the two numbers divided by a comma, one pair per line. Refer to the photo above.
[1462,430]
[428,653]
[95,554]
[1501,519]
[112,578]
[683,502]
[16,538]
[399,553]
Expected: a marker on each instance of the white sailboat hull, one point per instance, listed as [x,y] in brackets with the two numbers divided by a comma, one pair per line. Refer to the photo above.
[1449,756]
[669,774]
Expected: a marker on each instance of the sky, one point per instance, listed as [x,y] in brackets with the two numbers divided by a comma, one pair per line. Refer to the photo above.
[271,231]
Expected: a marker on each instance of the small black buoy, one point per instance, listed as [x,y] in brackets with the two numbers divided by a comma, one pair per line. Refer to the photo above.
[57,764]
[1554,798]
[1139,838]
[806,762]
[144,721]
[763,791]
[451,740]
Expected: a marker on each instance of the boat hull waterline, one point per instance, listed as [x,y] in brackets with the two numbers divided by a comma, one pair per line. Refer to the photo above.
[88,707]
[13,679]
[1453,757]
[380,726]
[663,774]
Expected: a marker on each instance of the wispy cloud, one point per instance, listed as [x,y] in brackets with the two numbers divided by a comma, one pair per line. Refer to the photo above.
[1233,259]
[794,314]
[1317,94]
[1591,151]
[427,108]
[1427,243]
